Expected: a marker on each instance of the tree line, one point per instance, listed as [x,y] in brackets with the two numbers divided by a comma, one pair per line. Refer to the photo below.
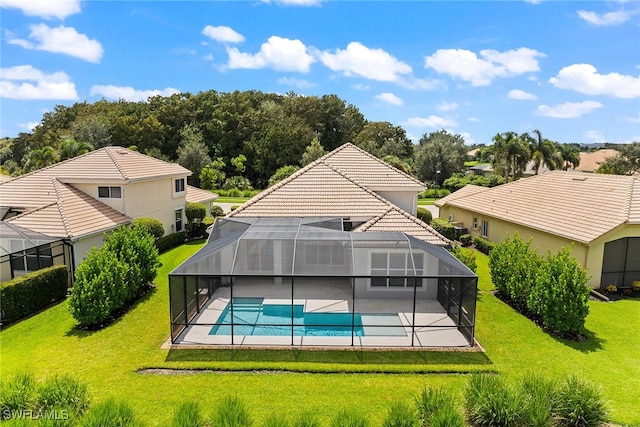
[242,139]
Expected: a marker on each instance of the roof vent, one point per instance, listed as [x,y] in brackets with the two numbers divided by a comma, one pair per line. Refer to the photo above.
[580,178]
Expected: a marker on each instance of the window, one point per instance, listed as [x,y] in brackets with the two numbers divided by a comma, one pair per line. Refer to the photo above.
[485,228]
[178,219]
[260,255]
[475,223]
[179,185]
[324,254]
[395,264]
[110,192]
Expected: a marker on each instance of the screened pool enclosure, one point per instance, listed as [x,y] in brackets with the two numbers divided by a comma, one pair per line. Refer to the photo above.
[307,282]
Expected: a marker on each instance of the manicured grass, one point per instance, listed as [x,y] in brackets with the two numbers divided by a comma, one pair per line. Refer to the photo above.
[238,200]
[426,201]
[108,360]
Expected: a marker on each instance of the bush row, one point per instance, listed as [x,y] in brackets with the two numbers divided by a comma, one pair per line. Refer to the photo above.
[434,193]
[112,276]
[444,227]
[466,256]
[483,245]
[170,241]
[489,400]
[234,192]
[550,289]
[32,292]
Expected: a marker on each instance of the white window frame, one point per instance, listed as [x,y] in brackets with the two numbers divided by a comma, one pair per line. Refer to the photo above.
[110,191]
[391,270]
[179,183]
[485,228]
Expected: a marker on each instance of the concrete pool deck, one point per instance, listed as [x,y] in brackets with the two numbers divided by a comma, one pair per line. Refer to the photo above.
[434,329]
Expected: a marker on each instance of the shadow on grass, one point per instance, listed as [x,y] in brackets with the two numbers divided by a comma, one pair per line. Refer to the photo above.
[352,357]
[76,331]
[591,343]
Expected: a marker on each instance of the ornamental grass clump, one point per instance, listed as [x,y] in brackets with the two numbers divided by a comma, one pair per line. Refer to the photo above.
[401,414]
[543,400]
[17,393]
[581,404]
[110,413]
[63,393]
[188,414]
[276,420]
[350,418]
[491,401]
[307,419]
[232,412]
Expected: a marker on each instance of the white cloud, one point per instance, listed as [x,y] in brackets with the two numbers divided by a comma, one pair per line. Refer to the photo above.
[431,122]
[28,126]
[447,106]
[533,1]
[360,86]
[468,140]
[128,93]
[568,110]
[413,83]
[294,2]
[473,119]
[480,71]
[606,19]
[222,34]
[521,95]
[46,9]
[278,53]
[595,136]
[584,78]
[25,82]
[299,83]
[61,39]
[208,57]
[389,98]
[359,60]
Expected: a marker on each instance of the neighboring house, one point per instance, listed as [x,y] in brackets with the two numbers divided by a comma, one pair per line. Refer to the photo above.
[590,162]
[481,169]
[80,199]
[598,214]
[332,255]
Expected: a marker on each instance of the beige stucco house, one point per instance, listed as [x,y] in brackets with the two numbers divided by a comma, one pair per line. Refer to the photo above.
[598,214]
[80,199]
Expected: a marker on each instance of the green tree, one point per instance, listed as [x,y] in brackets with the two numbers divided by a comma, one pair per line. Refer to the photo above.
[397,163]
[383,139]
[212,176]
[439,155]
[71,148]
[152,226]
[41,158]
[570,155]
[543,152]
[93,130]
[313,152]
[627,162]
[239,163]
[282,173]
[192,152]
[511,154]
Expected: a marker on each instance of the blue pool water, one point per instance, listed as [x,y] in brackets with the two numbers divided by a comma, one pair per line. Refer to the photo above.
[252,317]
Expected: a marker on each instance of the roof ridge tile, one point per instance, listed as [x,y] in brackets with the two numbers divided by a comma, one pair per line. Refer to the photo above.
[60,205]
[115,161]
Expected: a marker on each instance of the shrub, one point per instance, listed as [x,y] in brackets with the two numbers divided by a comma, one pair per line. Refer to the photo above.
[152,226]
[437,407]
[444,227]
[17,393]
[560,295]
[490,401]
[98,289]
[447,416]
[543,400]
[135,248]
[636,285]
[282,173]
[188,415]
[231,413]
[612,288]
[466,239]
[401,415]
[483,245]
[110,413]
[514,269]
[63,392]
[233,208]
[216,211]
[424,215]
[433,193]
[171,241]
[238,182]
[347,418]
[234,192]
[465,256]
[581,404]
[32,292]
[195,212]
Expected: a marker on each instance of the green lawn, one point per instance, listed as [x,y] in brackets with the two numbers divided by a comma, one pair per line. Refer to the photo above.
[299,381]
[426,201]
[238,200]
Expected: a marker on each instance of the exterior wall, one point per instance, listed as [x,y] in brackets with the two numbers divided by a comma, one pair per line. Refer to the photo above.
[406,200]
[595,257]
[83,246]
[154,199]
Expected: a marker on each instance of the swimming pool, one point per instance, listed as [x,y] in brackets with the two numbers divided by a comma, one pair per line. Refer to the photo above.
[252,317]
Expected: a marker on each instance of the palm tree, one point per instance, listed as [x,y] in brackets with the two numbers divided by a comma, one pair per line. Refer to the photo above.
[38,159]
[570,155]
[543,152]
[72,148]
[510,152]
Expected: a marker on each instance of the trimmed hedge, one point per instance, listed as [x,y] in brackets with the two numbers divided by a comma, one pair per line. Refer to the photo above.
[483,245]
[28,294]
[466,239]
[152,226]
[171,241]
[444,227]
[424,215]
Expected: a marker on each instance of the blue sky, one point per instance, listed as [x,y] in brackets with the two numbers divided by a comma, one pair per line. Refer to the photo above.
[570,69]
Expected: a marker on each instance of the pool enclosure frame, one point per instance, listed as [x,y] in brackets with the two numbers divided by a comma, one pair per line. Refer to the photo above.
[298,258]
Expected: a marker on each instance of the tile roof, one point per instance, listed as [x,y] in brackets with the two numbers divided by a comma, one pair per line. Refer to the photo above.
[72,214]
[397,220]
[467,190]
[198,195]
[5,178]
[575,205]
[367,169]
[330,187]
[590,162]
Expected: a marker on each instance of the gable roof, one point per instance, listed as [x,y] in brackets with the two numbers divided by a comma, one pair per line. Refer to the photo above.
[198,195]
[575,205]
[324,189]
[71,214]
[590,162]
